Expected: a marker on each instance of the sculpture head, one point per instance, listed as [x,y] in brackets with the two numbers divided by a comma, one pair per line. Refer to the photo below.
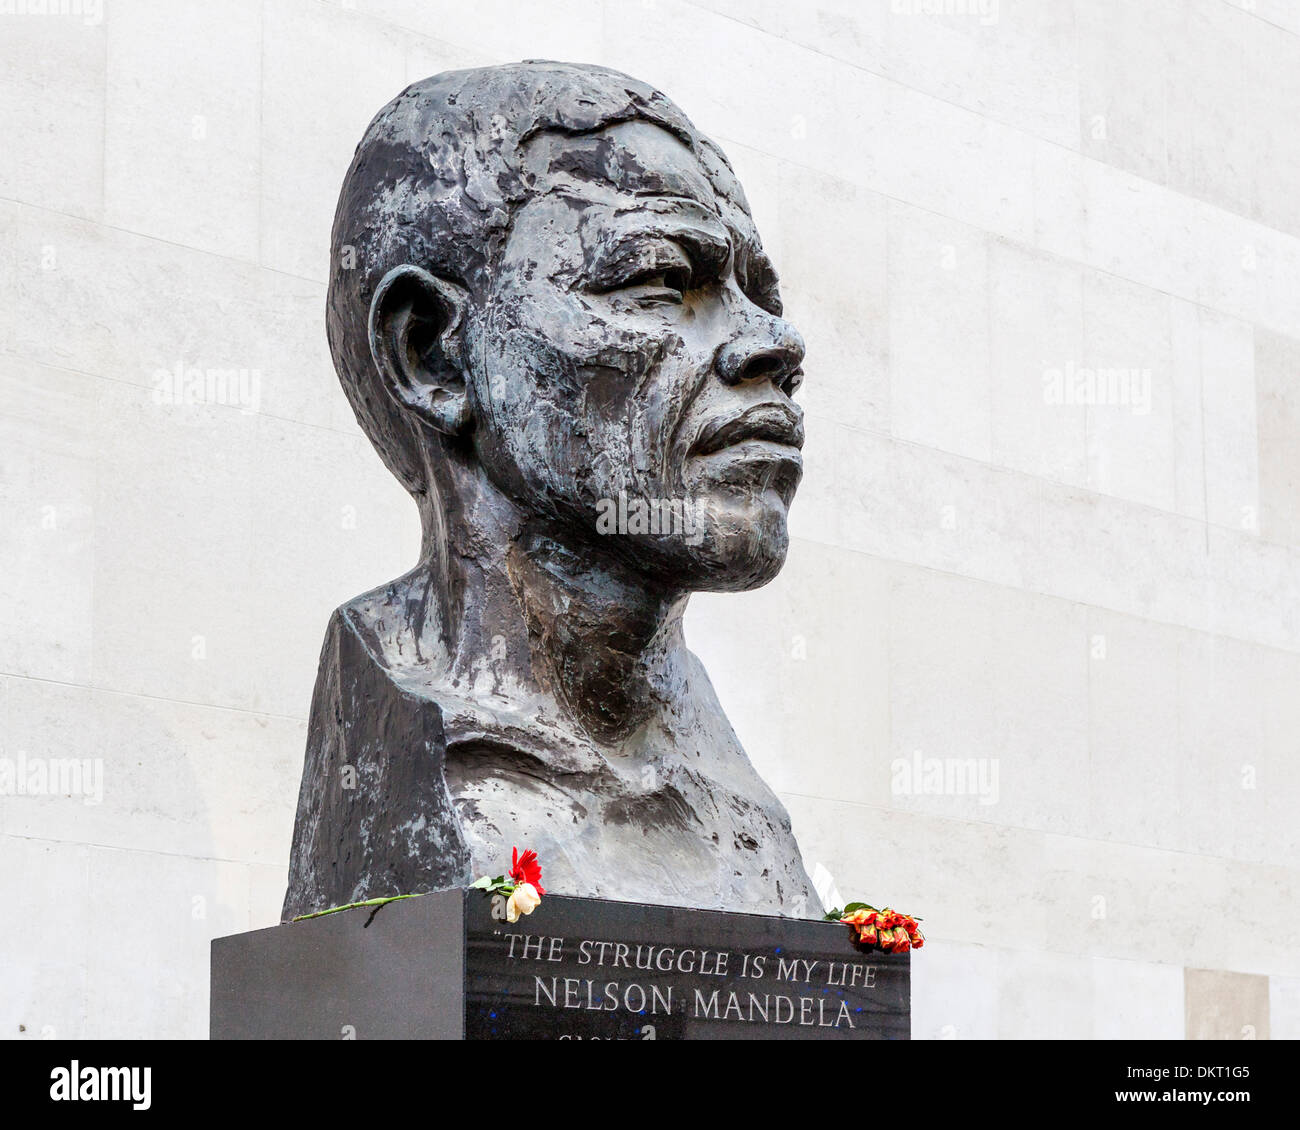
[548,289]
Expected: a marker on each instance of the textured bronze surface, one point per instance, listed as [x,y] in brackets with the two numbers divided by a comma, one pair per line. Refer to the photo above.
[553,316]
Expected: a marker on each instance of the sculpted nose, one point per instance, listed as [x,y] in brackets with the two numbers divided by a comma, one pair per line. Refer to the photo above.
[770,350]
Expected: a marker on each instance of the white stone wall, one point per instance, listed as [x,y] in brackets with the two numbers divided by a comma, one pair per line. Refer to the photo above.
[1102,605]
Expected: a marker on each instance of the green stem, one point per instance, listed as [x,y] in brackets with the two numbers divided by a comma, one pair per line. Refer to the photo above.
[355,905]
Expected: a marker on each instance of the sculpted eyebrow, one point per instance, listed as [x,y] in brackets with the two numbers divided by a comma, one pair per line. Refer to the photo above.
[706,243]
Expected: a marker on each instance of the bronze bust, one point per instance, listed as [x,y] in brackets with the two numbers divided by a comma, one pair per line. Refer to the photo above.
[552,314]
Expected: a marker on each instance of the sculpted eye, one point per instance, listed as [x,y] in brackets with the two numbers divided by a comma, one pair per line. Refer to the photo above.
[769,300]
[652,272]
[759,282]
[669,284]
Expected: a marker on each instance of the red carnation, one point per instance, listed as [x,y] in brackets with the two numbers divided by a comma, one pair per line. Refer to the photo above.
[525,869]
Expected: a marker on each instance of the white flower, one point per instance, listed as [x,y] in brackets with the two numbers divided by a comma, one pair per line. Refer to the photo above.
[524,901]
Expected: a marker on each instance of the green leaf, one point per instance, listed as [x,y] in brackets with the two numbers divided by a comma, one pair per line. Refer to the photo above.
[481,884]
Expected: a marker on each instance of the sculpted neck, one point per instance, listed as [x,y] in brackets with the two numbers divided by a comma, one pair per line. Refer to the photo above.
[518,610]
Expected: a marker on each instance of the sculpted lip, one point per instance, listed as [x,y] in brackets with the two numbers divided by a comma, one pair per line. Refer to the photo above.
[774,423]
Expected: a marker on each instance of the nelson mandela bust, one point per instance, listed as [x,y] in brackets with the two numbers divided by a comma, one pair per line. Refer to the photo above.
[550,310]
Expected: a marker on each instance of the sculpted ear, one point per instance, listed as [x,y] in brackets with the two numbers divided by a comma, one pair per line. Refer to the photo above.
[416,322]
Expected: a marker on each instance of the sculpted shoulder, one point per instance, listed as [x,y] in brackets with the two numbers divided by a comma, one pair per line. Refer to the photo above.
[393,622]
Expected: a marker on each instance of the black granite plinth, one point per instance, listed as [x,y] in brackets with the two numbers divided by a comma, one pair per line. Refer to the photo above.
[447,965]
